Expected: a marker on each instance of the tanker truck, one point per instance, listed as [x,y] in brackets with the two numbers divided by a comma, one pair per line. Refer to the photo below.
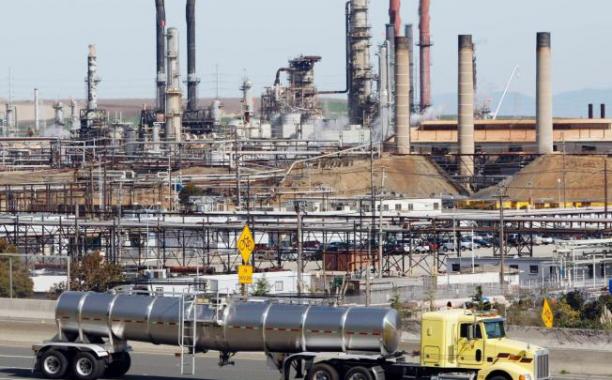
[300,340]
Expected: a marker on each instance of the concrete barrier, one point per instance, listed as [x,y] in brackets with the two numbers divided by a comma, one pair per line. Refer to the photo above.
[19,308]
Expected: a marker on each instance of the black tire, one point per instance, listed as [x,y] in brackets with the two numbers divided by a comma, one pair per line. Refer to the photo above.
[498,377]
[358,373]
[86,366]
[322,371]
[53,364]
[119,366]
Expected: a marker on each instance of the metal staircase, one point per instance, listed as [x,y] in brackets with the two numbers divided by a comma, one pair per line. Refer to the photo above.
[187,333]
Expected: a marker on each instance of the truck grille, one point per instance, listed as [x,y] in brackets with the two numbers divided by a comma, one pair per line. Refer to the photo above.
[542,370]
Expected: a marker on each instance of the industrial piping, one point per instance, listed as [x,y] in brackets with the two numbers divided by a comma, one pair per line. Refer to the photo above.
[402,95]
[160,25]
[544,117]
[192,80]
[465,104]
[425,57]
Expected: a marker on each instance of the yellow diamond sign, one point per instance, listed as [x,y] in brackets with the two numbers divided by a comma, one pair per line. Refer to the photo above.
[245,274]
[547,315]
[245,244]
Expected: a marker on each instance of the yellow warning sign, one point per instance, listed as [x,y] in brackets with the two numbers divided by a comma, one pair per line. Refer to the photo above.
[547,315]
[245,244]
[245,274]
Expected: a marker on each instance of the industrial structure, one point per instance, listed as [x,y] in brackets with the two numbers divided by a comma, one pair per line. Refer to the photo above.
[356,185]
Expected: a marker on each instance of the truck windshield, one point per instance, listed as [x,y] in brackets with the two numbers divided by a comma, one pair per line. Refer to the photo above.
[495,329]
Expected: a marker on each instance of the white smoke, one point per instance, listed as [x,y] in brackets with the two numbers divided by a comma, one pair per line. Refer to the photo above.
[55,131]
[431,113]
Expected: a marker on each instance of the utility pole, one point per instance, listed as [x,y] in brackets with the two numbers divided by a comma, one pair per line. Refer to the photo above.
[606,189]
[502,248]
[367,274]
[300,283]
[380,226]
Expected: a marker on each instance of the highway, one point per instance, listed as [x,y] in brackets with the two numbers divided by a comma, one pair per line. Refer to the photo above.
[16,364]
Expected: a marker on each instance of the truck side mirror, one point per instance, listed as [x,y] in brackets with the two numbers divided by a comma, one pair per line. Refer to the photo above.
[470,333]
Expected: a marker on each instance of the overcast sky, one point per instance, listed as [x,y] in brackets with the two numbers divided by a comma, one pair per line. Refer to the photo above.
[45,42]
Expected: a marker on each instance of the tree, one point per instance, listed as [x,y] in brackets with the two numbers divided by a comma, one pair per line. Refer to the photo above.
[262,288]
[22,283]
[575,299]
[93,273]
[189,190]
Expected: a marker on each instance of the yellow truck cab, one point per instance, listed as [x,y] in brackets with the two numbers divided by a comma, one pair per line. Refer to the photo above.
[466,340]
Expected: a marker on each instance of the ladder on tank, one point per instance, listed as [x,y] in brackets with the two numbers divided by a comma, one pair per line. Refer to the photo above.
[187,332]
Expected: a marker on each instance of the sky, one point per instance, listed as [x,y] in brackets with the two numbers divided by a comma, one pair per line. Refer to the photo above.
[45,42]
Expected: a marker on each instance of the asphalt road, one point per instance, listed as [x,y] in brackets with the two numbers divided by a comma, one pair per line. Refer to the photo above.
[16,364]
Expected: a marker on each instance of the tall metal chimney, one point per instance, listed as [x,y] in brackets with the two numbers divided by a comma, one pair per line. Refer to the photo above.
[36,111]
[361,77]
[410,36]
[394,16]
[92,79]
[465,111]
[402,95]
[590,111]
[425,57]
[160,26]
[74,116]
[602,110]
[173,92]
[192,80]
[544,117]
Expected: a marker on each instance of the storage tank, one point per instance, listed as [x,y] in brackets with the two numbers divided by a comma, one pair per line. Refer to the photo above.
[240,326]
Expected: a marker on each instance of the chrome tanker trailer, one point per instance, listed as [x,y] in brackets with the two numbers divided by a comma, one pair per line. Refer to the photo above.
[302,341]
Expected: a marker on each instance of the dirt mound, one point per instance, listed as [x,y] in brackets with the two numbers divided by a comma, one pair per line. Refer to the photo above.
[556,177]
[409,176]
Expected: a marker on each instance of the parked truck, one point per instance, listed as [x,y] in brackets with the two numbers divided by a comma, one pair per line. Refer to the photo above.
[302,341]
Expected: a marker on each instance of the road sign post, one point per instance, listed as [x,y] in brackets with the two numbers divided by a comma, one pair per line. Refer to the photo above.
[245,245]
[547,315]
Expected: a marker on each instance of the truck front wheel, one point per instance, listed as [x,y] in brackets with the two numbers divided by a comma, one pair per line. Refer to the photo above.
[323,371]
[358,373]
[53,364]
[86,366]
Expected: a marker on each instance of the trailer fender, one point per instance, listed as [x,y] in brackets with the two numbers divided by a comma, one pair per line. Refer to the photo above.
[308,357]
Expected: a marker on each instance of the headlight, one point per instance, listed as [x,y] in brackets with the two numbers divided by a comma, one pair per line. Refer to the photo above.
[525,376]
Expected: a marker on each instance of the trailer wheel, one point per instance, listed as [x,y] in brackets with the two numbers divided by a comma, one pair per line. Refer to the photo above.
[53,364]
[119,366]
[85,366]
[358,373]
[323,371]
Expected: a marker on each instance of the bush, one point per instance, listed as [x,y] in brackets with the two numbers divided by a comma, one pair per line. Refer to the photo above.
[93,273]
[22,283]
[262,288]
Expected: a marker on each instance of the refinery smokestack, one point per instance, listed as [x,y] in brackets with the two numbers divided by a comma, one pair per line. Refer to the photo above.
[544,117]
[425,57]
[92,79]
[465,112]
[160,26]
[36,111]
[192,80]
[394,16]
[402,95]
[410,37]
[173,91]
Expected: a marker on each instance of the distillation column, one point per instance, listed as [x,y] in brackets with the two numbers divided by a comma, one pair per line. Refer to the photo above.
[174,112]
[160,53]
[192,79]
[402,95]
[361,76]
